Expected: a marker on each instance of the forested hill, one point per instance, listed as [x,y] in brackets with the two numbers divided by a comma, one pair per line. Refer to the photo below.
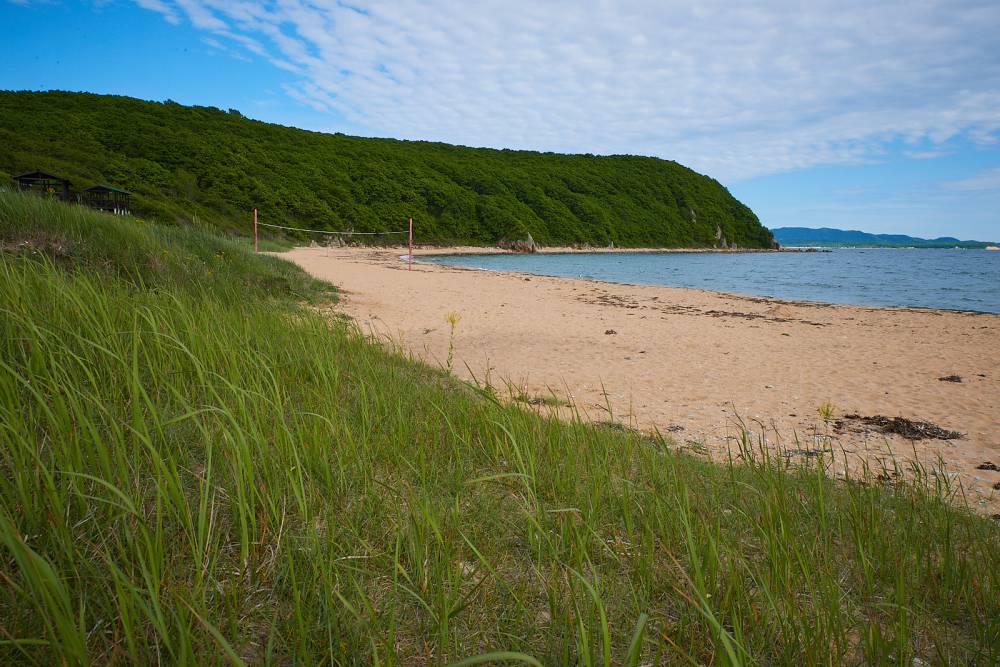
[203,164]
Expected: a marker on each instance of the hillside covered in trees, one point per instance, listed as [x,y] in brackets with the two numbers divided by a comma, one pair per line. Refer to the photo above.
[201,164]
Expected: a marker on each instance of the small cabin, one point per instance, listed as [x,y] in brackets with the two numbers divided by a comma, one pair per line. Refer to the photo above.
[106,198]
[43,183]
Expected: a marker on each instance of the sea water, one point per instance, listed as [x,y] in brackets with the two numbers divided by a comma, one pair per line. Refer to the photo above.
[927,278]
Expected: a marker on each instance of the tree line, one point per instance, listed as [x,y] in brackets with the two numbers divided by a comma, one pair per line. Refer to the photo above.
[205,165]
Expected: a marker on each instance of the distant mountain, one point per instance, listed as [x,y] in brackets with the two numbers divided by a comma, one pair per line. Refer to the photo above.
[827,237]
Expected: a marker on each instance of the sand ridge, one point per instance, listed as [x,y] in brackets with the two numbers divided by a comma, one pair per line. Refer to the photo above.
[694,363]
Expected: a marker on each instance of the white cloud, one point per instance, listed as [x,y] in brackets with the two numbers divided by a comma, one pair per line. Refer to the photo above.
[162,8]
[200,15]
[926,155]
[731,89]
[985,180]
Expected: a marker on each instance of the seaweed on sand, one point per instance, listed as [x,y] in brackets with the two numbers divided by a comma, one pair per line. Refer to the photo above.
[908,428]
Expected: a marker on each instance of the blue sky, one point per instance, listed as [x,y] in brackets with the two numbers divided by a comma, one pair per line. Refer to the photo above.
[881,116]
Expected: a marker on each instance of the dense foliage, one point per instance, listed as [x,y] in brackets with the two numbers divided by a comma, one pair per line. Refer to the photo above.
[204,164]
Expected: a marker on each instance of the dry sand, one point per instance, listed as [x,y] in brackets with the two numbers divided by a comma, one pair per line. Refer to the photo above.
[692,363]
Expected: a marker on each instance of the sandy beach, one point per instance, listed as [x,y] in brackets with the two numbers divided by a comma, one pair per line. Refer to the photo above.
[695,364]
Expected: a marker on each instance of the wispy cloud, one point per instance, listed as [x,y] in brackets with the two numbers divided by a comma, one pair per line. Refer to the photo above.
[162,7]
[927,154]
[730,89]
[985,180]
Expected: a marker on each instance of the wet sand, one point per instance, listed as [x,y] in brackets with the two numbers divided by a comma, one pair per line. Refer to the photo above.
[694,364]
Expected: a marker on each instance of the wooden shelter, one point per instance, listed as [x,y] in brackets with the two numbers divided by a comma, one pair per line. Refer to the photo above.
[106,198]
[43,183]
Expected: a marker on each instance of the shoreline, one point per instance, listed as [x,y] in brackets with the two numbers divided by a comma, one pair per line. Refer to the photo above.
[694,364]
[460,251]
[572,250]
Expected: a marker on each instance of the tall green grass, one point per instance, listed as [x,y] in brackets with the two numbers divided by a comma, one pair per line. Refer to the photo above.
[202,471]
[150,255]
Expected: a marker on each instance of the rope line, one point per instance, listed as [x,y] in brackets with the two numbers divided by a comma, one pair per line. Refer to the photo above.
[323,231]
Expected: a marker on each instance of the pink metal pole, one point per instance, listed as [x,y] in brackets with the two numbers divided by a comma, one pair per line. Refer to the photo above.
[409,257]
[255,230]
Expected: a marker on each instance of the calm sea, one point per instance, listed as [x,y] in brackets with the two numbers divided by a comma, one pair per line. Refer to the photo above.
[953,279]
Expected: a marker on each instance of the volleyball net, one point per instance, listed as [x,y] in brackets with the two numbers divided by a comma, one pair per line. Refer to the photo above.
[344,237]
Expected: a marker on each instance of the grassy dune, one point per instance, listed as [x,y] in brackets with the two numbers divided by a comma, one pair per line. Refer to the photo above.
[197,469]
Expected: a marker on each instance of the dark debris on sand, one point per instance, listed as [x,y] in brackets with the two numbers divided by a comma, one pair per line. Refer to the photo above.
[988,465]
[951,378]
[616,426]
[907,428]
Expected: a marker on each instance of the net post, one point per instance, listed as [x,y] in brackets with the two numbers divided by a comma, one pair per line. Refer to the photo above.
[409,255]
[255,247]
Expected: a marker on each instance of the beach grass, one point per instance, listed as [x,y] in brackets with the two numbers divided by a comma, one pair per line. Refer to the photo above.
[150,255]
[199,469]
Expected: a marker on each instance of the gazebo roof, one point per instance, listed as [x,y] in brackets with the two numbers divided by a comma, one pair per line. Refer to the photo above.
[106,188]
[39,176]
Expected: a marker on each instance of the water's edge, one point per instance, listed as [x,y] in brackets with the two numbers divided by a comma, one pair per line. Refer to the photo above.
[966,281]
